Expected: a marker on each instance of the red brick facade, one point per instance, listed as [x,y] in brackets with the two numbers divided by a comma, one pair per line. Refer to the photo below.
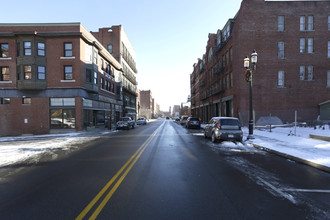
[65,76]
[219,88]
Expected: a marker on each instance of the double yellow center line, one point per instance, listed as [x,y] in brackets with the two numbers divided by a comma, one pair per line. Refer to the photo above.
[124,170]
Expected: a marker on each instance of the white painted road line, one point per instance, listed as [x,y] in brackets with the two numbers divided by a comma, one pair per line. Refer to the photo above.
[285,195]
[307,190]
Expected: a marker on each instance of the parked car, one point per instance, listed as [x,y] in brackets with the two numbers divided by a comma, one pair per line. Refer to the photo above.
[125,122]
[183,119]
[223,129]
[193,122]
[141,121]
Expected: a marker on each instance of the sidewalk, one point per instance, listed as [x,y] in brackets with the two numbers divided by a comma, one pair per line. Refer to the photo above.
[300,148]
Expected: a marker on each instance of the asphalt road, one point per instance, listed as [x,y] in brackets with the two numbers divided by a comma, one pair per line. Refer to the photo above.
[164,171]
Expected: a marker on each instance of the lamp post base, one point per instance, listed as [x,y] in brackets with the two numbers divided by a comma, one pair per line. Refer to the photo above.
[250,136]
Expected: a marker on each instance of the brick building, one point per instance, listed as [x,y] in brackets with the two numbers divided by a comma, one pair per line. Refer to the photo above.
[146,103]
[292,39]
[118,44]
[55,76]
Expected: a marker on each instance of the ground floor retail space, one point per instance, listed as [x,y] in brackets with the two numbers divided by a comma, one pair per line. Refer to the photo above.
[43,115]
[220,107]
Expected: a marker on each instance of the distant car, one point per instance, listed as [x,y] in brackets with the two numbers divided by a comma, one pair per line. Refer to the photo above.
[193,122]
[167,118]
[125,122]
[183,119]
[223,129]
[141,121]
[177,119]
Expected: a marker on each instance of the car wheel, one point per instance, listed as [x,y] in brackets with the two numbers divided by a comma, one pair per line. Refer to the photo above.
[205,134]
[214,140]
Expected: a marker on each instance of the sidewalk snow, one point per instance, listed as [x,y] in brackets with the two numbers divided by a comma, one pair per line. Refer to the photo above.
[301,146]
[17,149]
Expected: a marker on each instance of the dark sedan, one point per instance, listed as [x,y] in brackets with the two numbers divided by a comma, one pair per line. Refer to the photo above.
[193,122]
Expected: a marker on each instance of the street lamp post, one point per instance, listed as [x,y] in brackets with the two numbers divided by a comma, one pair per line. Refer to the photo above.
[248,78]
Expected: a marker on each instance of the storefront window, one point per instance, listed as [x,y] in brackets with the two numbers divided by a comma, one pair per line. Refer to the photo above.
[62,118]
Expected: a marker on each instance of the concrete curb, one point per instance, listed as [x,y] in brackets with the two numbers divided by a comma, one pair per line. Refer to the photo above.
[318,137]
[297,159]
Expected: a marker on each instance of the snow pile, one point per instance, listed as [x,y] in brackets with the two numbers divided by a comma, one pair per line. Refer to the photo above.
[300,145]
[14,149]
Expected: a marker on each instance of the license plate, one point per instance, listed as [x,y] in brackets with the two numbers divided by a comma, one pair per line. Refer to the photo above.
[230,135]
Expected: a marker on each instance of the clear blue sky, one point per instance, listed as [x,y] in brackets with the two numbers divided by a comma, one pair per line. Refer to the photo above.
[168,36]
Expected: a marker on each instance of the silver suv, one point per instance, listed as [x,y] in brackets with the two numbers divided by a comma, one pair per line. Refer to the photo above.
[125,122]
[223,129]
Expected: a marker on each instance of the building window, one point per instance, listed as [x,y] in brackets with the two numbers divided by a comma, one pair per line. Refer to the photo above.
[280,26]
[102,64]
[27,72]
[95,57]
[280,82]
[95,78]
[231,54]
[62,101]
[4,101]
[26,101]
[328,22]
[106,86]
[41,49]
[102,83]
[219,37]
[310,73]
[112,87]
[4,73]
[328,79]
[210,55]
[310,24]
[3,50]
[328,49]
[67,49]
[18,45]
[310,45]
[41,72]
[302,23]
[27,48]
[88,75]
[280,50]
[67,72]
[110,48]
[62,118]
[302,45]
[302,73]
